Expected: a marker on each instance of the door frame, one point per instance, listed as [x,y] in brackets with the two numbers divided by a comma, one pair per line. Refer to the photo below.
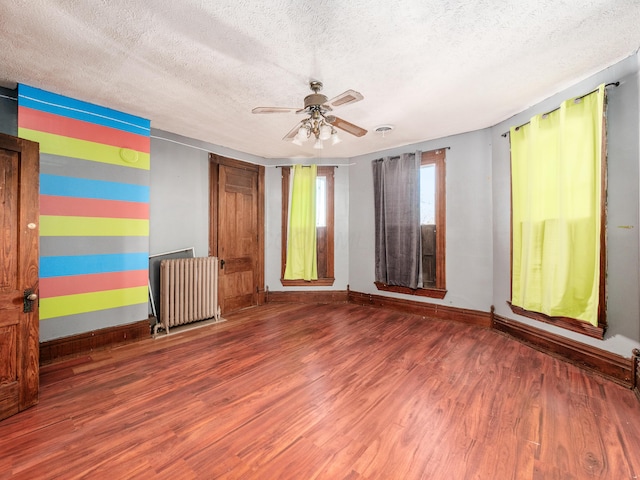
[214,191]
[27,342]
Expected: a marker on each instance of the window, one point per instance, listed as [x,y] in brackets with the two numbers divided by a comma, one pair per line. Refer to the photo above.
[432,229]
[558,178]
[432,219]
[321,201]
[324,227]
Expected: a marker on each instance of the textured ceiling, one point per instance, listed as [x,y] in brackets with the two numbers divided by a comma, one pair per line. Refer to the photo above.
[430,68]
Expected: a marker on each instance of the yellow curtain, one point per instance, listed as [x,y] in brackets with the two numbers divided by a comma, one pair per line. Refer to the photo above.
[301,242]
[556,210]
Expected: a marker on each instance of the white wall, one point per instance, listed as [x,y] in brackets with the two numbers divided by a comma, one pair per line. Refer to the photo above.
[623,283]
[469,261]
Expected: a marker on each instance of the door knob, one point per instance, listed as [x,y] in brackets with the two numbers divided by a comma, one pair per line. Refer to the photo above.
[28,299]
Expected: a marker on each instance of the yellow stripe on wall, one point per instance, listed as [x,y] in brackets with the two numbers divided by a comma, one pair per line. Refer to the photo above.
[92,151]
[58,226]
[90,302]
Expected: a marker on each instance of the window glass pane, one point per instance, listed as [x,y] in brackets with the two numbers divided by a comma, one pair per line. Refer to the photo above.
[428,194]
[321,201]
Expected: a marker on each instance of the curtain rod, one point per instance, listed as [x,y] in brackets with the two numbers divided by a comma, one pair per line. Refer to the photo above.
[613,84]
[350,164]
[319,165]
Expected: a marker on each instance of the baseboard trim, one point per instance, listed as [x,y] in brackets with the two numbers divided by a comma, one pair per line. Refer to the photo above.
[636,372]
[308,296]
[85,342]
[609,365]
[621,370]
[442,312]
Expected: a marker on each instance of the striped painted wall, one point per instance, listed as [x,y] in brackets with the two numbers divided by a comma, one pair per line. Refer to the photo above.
[94,212]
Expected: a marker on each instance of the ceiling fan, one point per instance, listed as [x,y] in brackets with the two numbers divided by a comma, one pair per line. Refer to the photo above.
[318,124]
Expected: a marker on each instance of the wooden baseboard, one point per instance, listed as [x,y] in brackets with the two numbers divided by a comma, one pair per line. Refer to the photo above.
[85,342]
[609,365]
[442,312]
[308,296]
[583,328]
[624,371]
[636,372]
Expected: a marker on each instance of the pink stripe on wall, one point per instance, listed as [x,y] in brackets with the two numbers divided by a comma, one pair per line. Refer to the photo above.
[92,207]
[69,127]
[97,282]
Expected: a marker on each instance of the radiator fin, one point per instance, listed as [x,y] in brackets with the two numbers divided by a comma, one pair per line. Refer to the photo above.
[188,291]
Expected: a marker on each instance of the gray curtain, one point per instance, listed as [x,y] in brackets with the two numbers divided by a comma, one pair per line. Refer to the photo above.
[396,190]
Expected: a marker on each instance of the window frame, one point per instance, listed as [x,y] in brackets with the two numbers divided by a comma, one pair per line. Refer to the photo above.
[328,255]
[566,322]
[438,158]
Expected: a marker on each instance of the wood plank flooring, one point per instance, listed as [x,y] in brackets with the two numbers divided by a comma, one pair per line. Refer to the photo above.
[324,392]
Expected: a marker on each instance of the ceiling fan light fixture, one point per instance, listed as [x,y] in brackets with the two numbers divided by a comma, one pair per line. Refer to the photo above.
[319,125]
[302,135]
[325,132]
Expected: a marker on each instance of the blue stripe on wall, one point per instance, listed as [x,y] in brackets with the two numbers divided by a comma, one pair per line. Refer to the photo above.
[85,188]
[68,107]
[59,266]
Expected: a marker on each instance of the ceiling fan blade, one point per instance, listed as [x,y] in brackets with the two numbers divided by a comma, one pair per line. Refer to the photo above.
[350,96]
[348,127]
[293,132]
[273,110]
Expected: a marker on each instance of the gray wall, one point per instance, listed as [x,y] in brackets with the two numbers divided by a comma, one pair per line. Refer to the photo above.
[179,192]
[478,210]
[273,226]
[179,203]
[623,333]
[469,251]
[9,111]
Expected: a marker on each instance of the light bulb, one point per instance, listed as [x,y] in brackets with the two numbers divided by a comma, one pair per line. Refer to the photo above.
[302,134]
[296,141]
[335,139]
[318,144]
[325,132]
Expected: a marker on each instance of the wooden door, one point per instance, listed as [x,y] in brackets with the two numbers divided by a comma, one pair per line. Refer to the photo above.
[19,342]
[239,234]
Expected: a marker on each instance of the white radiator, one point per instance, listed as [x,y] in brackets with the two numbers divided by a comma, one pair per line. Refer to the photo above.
[188,291]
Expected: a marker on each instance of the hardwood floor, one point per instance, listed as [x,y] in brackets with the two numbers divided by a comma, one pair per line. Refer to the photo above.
[324,392]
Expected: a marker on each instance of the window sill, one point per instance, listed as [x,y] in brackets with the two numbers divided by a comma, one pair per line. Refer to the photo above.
[321,282]
[420,292]
[562,322]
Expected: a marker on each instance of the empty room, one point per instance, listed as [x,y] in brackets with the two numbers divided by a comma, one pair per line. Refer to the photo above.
[320,240]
